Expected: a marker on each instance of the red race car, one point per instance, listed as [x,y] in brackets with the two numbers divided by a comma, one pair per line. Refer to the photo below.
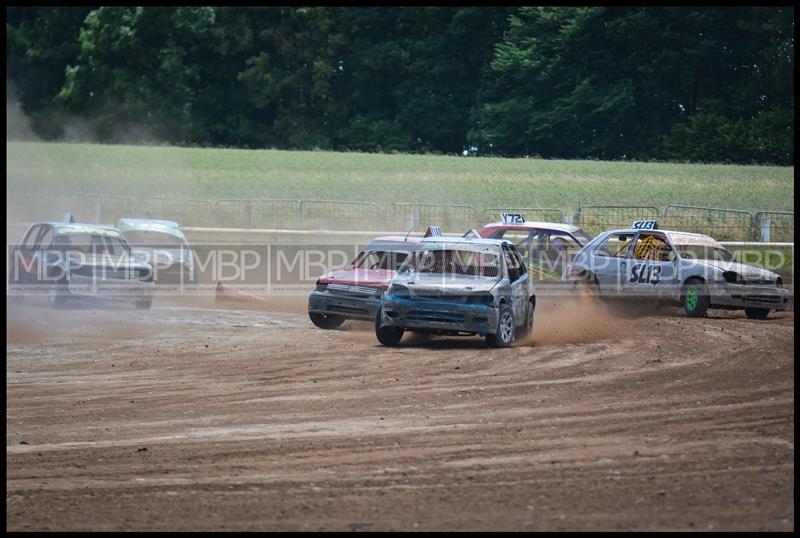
[355,292]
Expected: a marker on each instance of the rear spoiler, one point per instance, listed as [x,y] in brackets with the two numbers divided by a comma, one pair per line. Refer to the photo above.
[472,232]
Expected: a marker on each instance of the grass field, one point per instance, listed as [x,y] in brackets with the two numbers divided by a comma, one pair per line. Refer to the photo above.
[382,179]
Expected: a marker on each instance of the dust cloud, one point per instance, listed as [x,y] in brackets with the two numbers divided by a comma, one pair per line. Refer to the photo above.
[566,320]
[18,125]
[34,323]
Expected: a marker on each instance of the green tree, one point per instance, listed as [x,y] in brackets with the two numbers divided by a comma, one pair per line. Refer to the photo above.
[629,82]
[576,82]
[292,74]
[135,76]
[40,42]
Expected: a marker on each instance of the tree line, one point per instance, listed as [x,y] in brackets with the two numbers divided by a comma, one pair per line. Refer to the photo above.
[646,83]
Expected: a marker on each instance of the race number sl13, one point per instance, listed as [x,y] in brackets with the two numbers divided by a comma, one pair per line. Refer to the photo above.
[645,225]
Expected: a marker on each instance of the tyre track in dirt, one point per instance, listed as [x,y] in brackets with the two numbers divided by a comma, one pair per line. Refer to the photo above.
[257,420]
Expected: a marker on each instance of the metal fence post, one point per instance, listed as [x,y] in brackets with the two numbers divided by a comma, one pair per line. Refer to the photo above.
[248,215]
[766,225]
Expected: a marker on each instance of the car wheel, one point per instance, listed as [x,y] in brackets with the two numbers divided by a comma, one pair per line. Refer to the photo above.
[694,298]
[756,313]
[505,328]
[326,321]
[388,336]
[526,329]
[144,304]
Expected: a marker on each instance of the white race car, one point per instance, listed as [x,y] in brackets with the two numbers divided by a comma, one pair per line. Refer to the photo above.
[162,244]
[692,269]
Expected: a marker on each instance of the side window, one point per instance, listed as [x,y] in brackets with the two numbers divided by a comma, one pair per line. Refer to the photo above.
[519,261]
[652,248]
[562,241]
[45,240]
[520,238]
[512,262]
[30,239]
[615,246]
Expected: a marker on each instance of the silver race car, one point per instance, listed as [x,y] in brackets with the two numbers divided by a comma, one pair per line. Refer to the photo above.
[67,260]
[692,269]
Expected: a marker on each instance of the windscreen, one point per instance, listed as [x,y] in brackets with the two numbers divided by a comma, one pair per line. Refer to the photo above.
[483,261]
[700,247]
[90,243]
[582,235]
[704,252]
[380,259]
[153,238]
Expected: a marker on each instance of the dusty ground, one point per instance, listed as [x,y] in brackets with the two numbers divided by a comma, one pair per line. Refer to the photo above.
[195,418]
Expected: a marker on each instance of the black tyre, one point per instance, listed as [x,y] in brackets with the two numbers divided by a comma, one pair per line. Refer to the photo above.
[144,304]
[326,321]
[388,336]
[505,328]
[526,329]
[756,313]
[694,298]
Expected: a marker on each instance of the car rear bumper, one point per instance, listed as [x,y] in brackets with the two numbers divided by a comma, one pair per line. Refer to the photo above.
[439,316]
[742,296]
[365,308]
[119,290]
[174,274]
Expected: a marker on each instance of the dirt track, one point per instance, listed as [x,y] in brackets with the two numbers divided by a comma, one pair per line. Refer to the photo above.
[191,418]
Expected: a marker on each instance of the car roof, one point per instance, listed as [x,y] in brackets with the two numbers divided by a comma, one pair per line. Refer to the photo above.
[397,238]
[87,226]
[529,225]
[668,232]
[465,240]
[137,221]
[634,230]
[152,225]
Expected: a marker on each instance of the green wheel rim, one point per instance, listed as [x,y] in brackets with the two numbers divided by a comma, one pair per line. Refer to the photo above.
[691,298]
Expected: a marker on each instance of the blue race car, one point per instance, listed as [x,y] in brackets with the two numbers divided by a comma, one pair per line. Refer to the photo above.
[459,286]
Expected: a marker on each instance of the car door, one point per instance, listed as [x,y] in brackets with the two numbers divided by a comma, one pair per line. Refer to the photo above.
[525,286]
[51,268]
[651,265]
[518,278]
[24,260]
[607,261]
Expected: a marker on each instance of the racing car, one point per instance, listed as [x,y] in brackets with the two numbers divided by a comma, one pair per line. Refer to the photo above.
[72,260]
[548,247]
[459,286]
[691,269]
[162,244]
[355,292]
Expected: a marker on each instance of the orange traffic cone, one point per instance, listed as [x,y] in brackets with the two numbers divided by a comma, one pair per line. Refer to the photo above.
[226,294]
